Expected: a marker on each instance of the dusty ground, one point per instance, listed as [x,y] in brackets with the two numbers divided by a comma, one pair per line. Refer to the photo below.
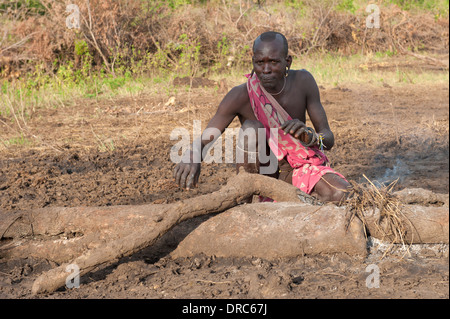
[116,151]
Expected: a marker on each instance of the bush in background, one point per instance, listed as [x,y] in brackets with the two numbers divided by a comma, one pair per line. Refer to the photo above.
[193,37]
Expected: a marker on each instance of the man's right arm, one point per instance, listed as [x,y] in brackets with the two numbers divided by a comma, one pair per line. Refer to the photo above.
[187,172]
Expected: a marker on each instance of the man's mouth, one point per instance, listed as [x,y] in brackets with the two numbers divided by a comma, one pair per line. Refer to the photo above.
[267,79]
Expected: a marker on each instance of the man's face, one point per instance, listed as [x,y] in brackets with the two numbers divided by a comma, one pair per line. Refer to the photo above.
[270,62]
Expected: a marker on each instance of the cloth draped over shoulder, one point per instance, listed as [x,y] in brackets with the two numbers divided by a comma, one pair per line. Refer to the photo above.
[309,163]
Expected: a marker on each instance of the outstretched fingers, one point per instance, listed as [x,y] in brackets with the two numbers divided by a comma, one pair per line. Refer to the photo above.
[191,180]
[185,176]
[177,174]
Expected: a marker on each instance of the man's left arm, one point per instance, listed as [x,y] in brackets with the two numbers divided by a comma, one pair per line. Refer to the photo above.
[316,112]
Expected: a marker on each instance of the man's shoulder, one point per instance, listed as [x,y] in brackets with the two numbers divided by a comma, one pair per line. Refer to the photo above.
[302,75]
[235,100]
[241,88]
[304,80]
[239,92]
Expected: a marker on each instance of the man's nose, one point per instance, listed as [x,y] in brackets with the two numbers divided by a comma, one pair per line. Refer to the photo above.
[267,68]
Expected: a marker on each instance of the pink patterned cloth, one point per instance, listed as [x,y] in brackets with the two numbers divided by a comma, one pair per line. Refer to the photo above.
[309,163]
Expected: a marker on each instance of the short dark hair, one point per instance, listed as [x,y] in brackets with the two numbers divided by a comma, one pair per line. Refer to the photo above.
[270,36]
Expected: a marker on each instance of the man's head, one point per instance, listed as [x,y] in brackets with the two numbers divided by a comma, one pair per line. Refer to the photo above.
[271,60]
[272,36]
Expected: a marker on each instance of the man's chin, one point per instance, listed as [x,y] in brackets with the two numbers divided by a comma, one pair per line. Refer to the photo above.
[269,85]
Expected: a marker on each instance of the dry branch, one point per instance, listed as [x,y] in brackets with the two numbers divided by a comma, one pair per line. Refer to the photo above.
[92,237]
[444,63]
[167,216]
[387,216]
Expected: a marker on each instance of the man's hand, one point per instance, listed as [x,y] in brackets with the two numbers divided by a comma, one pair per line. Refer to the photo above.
[186,173]
[298,129]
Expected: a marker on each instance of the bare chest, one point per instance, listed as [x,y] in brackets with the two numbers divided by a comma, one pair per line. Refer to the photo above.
[294,103]
[296,108]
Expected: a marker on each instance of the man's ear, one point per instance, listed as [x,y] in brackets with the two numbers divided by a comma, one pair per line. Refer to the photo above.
[289,61]
[253,65]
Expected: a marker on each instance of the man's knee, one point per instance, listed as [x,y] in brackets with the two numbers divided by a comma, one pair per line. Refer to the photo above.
[332,188]
[248,135]
[255,124]
[252,147]
[338,195]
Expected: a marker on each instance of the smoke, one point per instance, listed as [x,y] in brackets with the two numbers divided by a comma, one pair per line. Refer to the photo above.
[399,172]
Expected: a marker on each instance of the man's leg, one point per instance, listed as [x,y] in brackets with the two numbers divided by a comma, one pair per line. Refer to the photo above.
[247,147]
[251,145]
[331,188]
[253,152]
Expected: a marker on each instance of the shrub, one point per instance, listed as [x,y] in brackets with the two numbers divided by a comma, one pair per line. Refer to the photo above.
[197,36]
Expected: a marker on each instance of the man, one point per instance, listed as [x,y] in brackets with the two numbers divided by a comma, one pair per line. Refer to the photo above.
[276,97]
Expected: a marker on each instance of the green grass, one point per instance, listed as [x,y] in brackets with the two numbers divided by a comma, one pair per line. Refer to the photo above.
[335,69]
[136,72]
[20,99]
[19,140]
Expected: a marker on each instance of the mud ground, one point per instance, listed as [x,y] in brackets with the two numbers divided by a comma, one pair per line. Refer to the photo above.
[116,152]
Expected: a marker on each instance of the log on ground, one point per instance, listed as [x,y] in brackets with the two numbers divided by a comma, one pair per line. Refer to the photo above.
[100,235]
[275,230]
[421,225]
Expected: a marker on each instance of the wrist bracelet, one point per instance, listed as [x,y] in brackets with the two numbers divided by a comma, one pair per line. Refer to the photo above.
[314,138]
[321,146]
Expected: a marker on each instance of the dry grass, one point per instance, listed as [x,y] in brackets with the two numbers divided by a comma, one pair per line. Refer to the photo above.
[365,199]
[114,35]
